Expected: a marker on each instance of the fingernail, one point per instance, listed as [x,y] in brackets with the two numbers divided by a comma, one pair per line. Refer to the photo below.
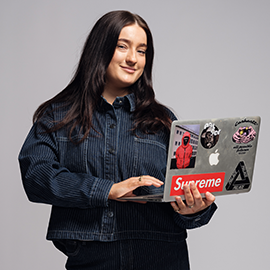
[186,187]
[210,195]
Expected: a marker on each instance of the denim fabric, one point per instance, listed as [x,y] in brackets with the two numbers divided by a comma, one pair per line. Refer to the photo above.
[76,178]
[125,255]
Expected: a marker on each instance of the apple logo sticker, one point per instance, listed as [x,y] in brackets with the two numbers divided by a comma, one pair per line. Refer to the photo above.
[213,158]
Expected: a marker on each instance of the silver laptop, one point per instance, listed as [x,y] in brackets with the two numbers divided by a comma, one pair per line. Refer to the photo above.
[217,154]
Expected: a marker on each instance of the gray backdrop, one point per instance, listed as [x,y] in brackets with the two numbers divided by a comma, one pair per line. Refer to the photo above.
[212,60]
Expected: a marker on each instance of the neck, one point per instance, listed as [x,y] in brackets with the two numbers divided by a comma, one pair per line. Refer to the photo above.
[110,94]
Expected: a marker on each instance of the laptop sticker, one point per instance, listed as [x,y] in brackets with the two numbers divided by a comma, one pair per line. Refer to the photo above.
[244,135]
[239,180]
[210,135]
[185,145]
[212,182]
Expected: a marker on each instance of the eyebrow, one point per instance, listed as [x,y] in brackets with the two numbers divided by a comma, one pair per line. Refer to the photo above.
[128,41]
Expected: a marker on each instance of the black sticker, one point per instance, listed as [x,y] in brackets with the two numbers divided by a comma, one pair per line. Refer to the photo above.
[239,180]
[210,135]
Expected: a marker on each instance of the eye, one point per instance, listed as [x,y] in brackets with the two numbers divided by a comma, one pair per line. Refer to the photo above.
[121,46]
[142,52]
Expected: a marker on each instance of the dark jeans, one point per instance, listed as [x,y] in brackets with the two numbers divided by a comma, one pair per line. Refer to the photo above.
[124,255]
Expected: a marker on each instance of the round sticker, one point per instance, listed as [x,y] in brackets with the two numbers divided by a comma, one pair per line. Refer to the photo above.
[209,135]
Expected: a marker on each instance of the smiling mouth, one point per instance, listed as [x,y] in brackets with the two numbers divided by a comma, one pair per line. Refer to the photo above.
[128,69]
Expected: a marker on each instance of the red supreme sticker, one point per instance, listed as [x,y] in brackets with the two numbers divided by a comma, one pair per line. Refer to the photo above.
[211,182]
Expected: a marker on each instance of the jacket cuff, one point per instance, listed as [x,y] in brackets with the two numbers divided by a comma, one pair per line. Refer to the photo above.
[100,192]
[197,220]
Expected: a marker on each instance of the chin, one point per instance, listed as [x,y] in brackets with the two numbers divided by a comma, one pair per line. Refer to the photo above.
[126,84]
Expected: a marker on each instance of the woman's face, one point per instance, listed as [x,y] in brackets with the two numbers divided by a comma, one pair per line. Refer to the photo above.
[128,61]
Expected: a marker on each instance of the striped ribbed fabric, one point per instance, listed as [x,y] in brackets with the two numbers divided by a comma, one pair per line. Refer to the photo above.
[76,178]
[125,255]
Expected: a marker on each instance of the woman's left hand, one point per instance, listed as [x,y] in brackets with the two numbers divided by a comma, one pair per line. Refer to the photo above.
[194,201]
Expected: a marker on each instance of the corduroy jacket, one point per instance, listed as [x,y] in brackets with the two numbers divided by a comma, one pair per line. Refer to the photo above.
[76,178]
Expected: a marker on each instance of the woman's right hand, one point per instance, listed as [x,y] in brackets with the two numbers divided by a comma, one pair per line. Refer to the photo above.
[126,187]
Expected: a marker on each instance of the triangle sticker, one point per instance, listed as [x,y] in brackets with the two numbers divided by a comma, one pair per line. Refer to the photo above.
[239,179]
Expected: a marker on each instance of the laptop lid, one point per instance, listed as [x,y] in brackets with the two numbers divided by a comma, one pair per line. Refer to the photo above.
[217,154]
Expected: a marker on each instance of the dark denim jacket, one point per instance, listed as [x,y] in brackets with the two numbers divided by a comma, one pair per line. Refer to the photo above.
[76,179]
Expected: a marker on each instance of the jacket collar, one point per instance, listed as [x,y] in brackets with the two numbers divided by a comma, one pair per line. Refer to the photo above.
[128,102]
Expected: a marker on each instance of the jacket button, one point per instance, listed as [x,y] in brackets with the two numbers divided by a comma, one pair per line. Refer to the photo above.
[111,151]
[112,126]
[110,214]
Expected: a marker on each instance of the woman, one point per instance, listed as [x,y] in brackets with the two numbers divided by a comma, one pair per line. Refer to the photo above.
[104,137]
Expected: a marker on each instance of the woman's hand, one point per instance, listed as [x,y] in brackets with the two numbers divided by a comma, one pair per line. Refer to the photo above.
[125,188]
[194,201]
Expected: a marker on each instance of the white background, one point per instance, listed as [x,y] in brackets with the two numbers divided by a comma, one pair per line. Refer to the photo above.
[211,60]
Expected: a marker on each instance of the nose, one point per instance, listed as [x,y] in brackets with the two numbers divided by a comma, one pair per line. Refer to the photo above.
[131,58]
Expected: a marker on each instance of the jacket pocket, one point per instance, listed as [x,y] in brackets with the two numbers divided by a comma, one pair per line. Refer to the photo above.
[73,156]
[69,247]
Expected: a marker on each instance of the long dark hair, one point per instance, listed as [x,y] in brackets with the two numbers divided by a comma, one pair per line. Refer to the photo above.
[83,93]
